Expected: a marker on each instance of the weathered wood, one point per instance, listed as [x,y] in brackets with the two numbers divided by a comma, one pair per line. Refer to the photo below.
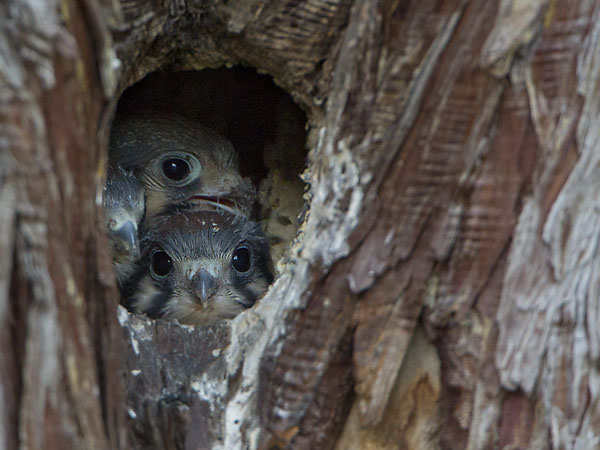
[171,371]
[441,292]
[51,104]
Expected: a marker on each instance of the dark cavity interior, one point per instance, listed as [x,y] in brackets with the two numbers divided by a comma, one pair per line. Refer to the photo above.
[261,120]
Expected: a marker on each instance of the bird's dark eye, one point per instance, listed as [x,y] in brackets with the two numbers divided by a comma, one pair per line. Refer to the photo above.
[241,259]
[161,264]
[176,169]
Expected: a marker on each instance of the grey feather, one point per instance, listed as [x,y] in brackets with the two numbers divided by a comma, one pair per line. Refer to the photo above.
[141,143]
[124,211]
[201,242]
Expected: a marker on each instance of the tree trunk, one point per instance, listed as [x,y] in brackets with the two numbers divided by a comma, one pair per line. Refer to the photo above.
[442,291]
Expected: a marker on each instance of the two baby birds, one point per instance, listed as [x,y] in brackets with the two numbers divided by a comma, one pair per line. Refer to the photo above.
[187,250]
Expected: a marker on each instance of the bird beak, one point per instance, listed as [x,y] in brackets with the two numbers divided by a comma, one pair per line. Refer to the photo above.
[204,285]
[127,239]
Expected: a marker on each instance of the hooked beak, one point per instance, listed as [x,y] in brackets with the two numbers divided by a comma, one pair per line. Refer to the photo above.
[204,285]
[126,239]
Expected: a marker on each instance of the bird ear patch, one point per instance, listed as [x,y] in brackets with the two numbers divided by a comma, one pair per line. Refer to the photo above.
[147,296]
[258,287]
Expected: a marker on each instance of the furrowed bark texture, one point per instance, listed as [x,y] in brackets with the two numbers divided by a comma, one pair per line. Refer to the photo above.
[59,346]
[442,291]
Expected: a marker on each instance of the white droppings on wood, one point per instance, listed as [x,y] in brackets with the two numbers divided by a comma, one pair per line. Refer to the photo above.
[141,330]
[337,194]
[131,413]
[256,329]
[329,221]
[135,345]
[122,315]
[264,325]
[210,389]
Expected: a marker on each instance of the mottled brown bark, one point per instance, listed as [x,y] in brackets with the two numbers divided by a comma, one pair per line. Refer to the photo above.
[52,273]
[443,289]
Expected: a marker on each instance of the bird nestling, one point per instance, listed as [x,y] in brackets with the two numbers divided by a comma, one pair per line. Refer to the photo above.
[201,266]
[124,211]
[180,163]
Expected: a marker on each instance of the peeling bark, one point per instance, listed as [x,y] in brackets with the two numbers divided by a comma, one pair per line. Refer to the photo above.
[442,291]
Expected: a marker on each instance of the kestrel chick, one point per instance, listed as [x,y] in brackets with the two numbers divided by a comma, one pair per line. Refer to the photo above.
[201,266]
[180,163]
[124,211]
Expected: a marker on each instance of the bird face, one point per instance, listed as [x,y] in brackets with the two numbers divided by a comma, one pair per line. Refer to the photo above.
[124,210]
[183,179]
[180,163]
[201,266]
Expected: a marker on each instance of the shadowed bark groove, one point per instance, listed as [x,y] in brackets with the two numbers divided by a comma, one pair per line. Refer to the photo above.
[442,291]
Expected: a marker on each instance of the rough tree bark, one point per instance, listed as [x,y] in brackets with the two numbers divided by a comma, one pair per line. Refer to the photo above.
[443,290]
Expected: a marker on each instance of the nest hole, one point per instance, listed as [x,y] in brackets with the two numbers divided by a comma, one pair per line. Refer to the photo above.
[268,130]
[264,124]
